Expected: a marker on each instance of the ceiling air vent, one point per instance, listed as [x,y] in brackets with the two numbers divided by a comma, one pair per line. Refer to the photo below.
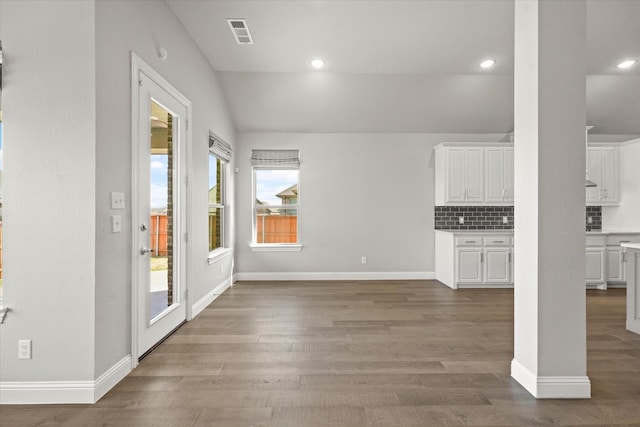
[240,31]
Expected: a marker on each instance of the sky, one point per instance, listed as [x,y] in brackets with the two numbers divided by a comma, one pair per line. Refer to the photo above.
[271,182]
[158,181]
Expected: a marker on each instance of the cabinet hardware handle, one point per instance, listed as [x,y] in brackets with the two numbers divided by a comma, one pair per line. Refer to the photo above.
[498,241]
[509,257]
[469,241]
[624,257]
[625,241]
[481,257]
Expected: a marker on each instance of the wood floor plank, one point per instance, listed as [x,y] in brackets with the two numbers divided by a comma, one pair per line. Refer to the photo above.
[357,354]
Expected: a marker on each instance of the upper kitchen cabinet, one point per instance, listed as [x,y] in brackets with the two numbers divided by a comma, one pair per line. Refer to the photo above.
[603,170]
[473,174]
[499,175]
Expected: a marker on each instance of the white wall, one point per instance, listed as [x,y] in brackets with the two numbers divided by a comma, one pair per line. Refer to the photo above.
[49,189]
[360,195]
[627,215]
[67,135]
[121,27]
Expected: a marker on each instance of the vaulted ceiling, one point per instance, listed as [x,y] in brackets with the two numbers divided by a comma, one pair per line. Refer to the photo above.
[398,66]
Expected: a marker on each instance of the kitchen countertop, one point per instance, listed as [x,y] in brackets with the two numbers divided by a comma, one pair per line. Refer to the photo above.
[593,232]
[631,245]
[610,232]
[477,231]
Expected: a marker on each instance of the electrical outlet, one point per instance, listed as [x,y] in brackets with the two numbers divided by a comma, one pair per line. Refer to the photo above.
[364,260]
[220,268]
[461,220]
[589,220]
[24,349]
[505,220]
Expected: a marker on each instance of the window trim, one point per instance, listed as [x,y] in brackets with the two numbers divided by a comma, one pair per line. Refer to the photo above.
[222,152]
[274,247]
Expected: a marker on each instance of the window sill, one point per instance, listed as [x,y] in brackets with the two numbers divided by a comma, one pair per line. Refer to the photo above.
[218,254]
[275,247]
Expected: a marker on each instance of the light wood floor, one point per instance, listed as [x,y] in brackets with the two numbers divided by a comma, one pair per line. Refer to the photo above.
[380,354]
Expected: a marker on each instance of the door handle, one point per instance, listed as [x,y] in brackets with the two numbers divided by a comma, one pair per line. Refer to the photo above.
[144,250]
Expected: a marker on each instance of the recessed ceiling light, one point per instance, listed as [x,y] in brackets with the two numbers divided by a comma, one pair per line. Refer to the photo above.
[627,64]
[487,63]
[317,63]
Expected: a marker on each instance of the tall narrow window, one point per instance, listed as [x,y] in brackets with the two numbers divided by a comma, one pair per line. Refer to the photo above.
[276,198]
[219,156]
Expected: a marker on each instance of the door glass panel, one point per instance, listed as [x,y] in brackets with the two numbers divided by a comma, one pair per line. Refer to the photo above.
[161,272]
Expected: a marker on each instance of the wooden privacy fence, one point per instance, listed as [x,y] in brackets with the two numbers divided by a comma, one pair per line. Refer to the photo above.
[269,229]
[277,229]
[158,237]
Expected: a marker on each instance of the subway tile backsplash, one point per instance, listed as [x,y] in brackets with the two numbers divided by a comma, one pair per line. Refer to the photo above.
[475,217]
[595,213]
[491,218]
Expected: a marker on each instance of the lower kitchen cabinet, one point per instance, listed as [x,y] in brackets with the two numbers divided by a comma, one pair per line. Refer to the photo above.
[467,260]
[497,265]
[469,265]
[616,258]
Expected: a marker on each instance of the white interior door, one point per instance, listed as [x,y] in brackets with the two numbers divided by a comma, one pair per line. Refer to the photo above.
[159,225]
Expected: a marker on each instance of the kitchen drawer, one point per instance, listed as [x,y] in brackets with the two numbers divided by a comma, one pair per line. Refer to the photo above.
[497,241]
[615,240]
[598,241]
[469,241]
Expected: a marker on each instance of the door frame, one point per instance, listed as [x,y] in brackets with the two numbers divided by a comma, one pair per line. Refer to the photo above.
[138,65]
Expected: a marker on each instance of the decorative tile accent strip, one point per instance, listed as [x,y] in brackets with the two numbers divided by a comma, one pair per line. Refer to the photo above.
[595,213]
[475,217]
[491,217]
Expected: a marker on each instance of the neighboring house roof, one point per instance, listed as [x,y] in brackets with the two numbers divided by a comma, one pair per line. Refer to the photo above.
[289,192]
[266,211]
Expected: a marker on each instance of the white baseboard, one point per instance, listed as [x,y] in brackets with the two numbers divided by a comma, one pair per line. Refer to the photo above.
[56,392]
[576,387]
[355,275]
[113,376]
[201,304]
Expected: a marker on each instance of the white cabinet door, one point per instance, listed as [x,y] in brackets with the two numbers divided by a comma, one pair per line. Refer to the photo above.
[494,174]
[594,173]
[508,175]
[498,167]
[475,175]
[595,266]
[603,170]
[469,265]
[455,176]
[497,265]
[615,267]
[609,177]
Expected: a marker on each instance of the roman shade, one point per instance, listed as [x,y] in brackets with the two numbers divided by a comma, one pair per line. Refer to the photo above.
[283,159]
[219,148]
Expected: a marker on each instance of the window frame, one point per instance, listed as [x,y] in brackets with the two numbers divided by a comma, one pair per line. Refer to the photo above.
[274,247]
[221,152]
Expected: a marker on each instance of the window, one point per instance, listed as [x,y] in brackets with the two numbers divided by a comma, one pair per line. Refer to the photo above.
[276,199]
[219,156]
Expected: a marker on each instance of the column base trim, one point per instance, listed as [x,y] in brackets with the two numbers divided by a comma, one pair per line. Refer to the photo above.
[557,387]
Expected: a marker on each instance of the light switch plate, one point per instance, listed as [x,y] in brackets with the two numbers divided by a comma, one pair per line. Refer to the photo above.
[116,223]
[117,200]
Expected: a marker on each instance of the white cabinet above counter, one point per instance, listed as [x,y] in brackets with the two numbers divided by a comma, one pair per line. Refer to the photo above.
[603,169]
[473,174]
[468,173]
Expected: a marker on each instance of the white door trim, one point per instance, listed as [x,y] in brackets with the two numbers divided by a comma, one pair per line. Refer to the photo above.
[139,65]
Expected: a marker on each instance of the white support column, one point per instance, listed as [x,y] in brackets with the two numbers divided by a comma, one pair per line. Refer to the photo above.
[550,103]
